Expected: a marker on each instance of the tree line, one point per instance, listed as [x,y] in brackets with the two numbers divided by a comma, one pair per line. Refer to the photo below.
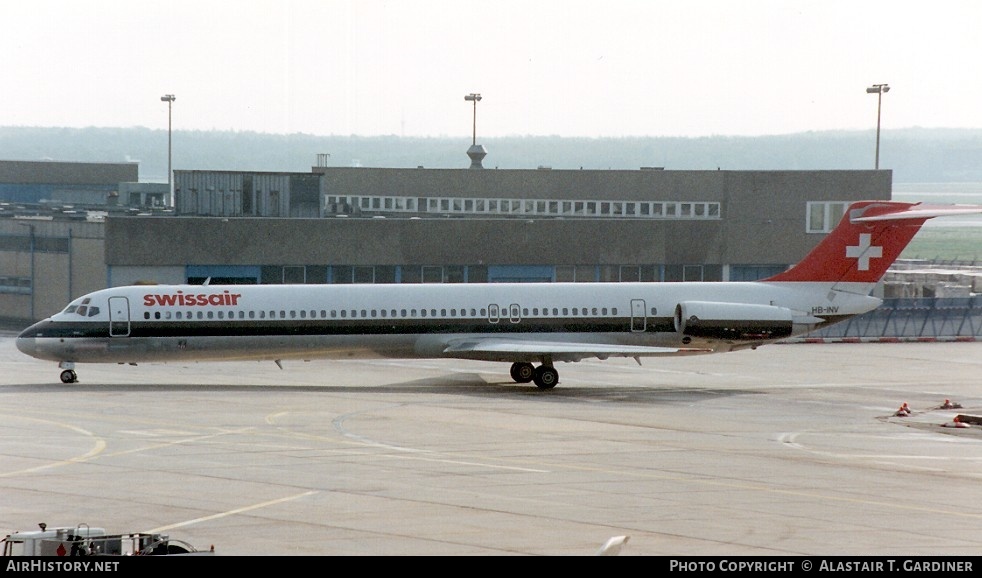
[914,155]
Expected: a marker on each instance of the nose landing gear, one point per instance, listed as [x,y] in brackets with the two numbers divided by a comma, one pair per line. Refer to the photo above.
[68,375]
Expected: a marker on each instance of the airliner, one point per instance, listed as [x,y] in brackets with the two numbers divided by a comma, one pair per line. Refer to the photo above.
[532,326]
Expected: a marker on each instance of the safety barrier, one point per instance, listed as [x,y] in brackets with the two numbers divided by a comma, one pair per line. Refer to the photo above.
[940,319]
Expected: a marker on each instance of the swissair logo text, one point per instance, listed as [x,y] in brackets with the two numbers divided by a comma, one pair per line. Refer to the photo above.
[864,251]
[181,299]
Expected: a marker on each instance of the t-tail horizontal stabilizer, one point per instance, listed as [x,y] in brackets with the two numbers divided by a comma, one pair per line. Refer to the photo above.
[866,242]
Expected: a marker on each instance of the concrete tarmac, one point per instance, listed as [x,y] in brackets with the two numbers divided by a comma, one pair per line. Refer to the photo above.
[792,449]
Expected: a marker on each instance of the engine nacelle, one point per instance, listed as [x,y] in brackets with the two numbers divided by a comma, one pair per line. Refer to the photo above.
[732,321]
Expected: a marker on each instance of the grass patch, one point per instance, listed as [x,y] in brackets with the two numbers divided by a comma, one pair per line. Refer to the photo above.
[946,243]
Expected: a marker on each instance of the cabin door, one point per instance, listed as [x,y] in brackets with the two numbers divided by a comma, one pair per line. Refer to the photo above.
[639,320]
[119,317]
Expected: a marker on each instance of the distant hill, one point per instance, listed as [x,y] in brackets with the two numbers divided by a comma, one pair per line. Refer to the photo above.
[914,155]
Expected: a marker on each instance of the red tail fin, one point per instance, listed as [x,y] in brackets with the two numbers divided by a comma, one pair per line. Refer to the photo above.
[868,239]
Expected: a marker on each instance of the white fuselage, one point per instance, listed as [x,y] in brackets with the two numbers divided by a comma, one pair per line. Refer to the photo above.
[506,321]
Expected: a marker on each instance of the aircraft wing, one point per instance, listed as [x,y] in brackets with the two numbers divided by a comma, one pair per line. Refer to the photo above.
[504,349]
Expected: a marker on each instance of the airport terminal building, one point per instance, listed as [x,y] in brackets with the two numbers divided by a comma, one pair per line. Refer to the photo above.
[380,225]
[363,225]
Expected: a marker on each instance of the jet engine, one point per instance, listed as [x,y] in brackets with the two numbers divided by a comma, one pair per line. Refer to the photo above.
[732,321]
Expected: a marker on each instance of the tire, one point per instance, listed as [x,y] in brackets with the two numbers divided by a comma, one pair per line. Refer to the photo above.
[546,377]
[522,372]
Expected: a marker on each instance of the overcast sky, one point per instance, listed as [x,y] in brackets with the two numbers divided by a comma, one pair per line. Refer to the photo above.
[567,68]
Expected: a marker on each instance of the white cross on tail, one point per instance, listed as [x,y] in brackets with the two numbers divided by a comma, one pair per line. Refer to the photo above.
[864,251]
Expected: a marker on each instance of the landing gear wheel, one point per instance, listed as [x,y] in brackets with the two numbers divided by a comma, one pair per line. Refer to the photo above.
[69,376]
[546,377]
[522,372]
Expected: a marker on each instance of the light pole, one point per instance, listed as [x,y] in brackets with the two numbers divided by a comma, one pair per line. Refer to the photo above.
[476,152]
[169,99]
[474,97]
[878,90]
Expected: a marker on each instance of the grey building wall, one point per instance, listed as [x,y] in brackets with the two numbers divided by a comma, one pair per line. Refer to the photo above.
[67,173]
[34,182]
[237,193]
[762,221]
[66,259]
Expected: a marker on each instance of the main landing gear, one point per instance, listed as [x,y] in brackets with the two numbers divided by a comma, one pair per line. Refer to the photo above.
[545,376]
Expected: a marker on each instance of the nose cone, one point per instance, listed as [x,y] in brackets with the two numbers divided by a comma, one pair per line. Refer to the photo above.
[27,340]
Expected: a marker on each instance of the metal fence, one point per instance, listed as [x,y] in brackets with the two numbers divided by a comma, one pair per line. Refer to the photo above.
[951,319]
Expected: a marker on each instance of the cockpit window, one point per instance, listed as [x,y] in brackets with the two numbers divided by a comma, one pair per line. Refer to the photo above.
[83,308]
